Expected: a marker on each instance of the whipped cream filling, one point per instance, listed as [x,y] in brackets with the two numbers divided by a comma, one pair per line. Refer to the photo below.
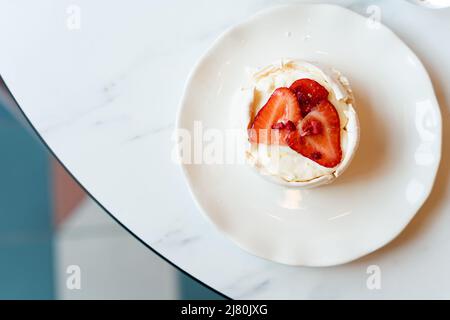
[281,161]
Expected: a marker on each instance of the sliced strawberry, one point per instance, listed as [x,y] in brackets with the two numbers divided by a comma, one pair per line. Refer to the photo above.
[319,136]
[309,94]
[276,119]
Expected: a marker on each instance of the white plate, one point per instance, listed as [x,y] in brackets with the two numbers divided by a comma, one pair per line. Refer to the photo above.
[391,175]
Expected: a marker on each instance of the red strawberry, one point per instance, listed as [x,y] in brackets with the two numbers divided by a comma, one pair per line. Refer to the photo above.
[309,94]
[276,119]
[319,136]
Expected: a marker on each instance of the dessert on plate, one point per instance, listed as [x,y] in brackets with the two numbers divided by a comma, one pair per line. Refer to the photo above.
[302,126]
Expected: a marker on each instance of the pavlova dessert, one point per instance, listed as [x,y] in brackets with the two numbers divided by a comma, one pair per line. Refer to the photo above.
[302,126]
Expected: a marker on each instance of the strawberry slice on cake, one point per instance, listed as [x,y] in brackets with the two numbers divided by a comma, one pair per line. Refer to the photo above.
[318,136]
[276,119]
[309,93]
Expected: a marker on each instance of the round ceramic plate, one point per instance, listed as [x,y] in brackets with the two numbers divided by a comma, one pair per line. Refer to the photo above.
[393,170]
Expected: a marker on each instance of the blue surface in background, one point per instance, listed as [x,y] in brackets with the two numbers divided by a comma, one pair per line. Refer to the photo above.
[26,258]
[26,243]
[192,290]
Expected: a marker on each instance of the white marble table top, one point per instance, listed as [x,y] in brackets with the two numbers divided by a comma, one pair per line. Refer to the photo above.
[101,81]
